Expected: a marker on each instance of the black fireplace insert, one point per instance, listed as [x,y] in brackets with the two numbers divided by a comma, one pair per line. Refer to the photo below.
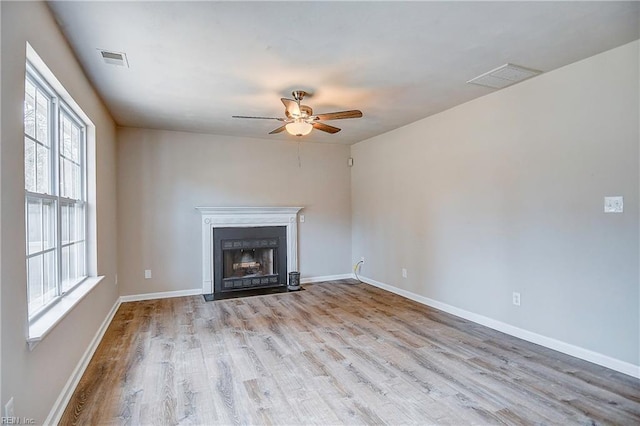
[249,258]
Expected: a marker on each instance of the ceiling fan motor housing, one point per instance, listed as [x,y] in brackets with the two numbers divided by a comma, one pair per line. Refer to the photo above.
[305,111]
[299,94]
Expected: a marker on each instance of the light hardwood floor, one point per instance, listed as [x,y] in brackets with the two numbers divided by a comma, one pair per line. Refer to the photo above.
[334,353]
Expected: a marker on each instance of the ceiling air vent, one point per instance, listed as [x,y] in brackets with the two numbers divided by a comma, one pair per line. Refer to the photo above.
[504,76]
[114,58]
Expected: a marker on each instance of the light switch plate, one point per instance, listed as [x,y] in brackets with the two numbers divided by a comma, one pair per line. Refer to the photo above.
[613,204]
[147,274]
[302,218]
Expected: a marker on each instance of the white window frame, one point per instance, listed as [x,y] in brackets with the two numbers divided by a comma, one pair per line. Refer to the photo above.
[58,108]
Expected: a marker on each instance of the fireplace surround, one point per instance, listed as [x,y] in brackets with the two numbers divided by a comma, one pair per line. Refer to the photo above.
[252,268]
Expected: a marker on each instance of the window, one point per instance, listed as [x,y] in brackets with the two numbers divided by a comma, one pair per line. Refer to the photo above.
[55,195]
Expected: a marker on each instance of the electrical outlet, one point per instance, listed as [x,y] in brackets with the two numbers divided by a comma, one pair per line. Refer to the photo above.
[613,204]
[362,259]
[404,273]
[8,409]
[516,298]
[147,274]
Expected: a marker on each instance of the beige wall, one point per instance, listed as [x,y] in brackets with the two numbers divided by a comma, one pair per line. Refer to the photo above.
[505,193]
[498,195]
[36,378]
[163,176]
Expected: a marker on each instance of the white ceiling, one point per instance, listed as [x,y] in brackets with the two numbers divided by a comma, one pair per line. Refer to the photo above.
[195,64]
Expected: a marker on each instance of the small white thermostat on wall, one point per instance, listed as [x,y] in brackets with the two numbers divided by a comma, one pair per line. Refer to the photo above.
[613,204]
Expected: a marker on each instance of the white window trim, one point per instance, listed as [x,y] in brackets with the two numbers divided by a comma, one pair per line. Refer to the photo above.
[44,321]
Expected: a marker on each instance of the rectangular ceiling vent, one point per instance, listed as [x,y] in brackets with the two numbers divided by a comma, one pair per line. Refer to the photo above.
[114,58]
[504,76]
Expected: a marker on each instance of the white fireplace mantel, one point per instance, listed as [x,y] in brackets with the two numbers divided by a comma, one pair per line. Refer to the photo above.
[245,217]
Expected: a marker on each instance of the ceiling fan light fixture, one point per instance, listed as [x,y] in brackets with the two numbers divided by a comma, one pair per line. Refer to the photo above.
[299,128]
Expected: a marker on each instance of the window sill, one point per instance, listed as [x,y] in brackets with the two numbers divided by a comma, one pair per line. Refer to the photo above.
[39,328]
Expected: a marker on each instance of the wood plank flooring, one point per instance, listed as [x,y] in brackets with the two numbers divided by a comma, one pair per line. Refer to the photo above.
[334,353]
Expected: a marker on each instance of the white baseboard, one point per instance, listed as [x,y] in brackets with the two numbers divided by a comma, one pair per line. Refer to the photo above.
[309,280]
[160,295]
[69,388]
[557,345]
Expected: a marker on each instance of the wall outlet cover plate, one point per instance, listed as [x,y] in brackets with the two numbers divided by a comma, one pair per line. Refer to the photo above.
[614,204]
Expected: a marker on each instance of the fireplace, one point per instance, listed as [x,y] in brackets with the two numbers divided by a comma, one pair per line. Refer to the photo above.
[247,249]
[249,258]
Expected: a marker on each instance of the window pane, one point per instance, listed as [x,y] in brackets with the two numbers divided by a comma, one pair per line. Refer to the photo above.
[64,178]
[67,179]
[42,170]
[64,216]
[75,144]
[29,165]
[72,223]
[49,275]
[77,178]
[42,117]
[30,109]
[80,233]
[65,269]
[48,224]
[34,277]
[81,252]
[72,179]
[34,226]
[73,264]
[66,137]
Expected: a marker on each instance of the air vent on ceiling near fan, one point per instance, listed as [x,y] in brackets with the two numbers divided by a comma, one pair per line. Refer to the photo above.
[504,76]
[114,58]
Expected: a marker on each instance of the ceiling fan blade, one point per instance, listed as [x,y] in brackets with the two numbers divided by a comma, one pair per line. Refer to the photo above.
[325,127]
[258,118]
[291,106]
[278,130]
[354,113]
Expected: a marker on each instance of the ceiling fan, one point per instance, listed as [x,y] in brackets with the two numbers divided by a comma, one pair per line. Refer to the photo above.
[300,119]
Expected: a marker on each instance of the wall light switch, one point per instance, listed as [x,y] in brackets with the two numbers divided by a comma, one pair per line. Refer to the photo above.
[147,274]
[404,273]
[302,218]
[613,204]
